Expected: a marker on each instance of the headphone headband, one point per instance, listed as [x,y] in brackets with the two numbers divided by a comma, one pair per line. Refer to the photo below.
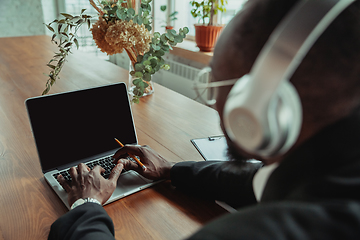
[264,117]
[293,38]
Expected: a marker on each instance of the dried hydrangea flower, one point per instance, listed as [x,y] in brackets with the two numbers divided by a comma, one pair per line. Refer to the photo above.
[98,31]
[114,37]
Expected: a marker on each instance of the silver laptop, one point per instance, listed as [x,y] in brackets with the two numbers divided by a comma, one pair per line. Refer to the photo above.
[79,127]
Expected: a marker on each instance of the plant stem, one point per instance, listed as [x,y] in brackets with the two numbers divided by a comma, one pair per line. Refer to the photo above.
[211,20]
[132,56]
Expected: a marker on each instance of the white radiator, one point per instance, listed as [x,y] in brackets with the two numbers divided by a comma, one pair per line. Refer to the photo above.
[180,78]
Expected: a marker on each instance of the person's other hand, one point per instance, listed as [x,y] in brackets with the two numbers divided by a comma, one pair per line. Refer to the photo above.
[157,167]
[87,183]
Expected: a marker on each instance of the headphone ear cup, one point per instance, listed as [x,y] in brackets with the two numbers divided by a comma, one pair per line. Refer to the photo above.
[288,119]
[240,120]
[264,129]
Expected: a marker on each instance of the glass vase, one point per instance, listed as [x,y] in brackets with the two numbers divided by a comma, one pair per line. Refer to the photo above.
[135,92]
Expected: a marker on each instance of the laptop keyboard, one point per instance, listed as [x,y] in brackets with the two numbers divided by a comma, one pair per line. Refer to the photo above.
[106,163]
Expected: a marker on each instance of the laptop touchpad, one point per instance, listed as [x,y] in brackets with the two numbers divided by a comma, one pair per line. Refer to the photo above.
[129,181]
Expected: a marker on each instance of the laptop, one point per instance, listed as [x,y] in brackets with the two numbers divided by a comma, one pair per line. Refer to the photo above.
[79,127]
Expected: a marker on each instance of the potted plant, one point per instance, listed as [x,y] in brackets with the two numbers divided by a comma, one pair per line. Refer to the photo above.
[170,17]
[207,33]
[119,28]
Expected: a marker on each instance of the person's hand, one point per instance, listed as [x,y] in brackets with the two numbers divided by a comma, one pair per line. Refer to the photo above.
[157,167]
[87,183]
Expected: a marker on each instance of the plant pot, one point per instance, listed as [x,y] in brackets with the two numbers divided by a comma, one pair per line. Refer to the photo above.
[206,36]
[169,27]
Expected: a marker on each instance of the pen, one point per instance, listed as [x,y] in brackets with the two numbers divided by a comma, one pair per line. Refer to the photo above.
[131,155]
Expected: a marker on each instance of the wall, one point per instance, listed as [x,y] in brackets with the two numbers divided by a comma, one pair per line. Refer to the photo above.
[50,10]
[21,18]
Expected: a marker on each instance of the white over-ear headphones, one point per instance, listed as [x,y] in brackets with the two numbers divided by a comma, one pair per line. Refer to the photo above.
[263,113]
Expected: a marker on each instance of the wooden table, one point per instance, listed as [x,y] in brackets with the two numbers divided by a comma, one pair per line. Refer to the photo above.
[165,120]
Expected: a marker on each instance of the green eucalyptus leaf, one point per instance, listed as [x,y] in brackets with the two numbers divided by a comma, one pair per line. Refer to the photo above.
[157,68]
[49,27]
[172,32]
[139,67]
[157,35]
[159,53]
[76,43]
[163,8]
[147,77]
[173,14]
[148,68]
[59,27]
[68,45]
[147,55]
[165,67]
[136,19]
[155,47]
[67,15]
[148,27]
[144,84]
[178,39]
[165,48]
[147,62]
[163,38]
[123,16]
[154,62]
[131,12]
[51,66]
[182,34]
[138,74]
[172,43]
[137,81]
[169,36]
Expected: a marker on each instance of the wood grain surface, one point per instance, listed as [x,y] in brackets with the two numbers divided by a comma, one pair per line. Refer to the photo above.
[166,121]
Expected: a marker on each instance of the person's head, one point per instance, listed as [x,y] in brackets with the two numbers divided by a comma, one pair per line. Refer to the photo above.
[327,80]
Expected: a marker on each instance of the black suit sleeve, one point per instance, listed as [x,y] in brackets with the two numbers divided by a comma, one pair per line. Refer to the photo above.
[230,182]
[287,220]
[88,221]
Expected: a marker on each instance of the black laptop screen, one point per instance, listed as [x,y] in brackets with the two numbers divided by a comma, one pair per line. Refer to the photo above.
[71,126]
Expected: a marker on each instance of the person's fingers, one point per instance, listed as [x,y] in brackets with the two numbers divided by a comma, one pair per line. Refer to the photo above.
[98,169]
[128,164]
[73,173]
[124,151]
[83,169]
[64,183]
[115,173]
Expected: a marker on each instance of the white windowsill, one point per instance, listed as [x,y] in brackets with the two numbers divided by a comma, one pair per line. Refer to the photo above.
[188,49]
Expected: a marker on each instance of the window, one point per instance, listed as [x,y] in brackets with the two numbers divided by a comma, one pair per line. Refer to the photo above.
[184,17]
[85,39]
